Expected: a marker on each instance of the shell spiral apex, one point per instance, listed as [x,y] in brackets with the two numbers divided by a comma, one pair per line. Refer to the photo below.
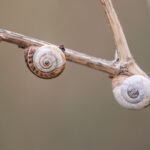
[133,92]
[46,61]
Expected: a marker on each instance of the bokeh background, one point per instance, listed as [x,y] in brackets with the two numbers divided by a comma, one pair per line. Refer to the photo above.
[77,110]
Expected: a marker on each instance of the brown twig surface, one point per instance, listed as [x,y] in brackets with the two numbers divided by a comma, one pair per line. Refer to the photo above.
[122,64]
[126,60]
[120,40]
[97,63]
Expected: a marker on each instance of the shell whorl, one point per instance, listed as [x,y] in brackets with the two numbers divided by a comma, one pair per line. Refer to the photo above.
[132,92]
[46,61]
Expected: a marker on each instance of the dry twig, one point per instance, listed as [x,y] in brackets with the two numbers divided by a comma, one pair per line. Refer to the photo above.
[122,64]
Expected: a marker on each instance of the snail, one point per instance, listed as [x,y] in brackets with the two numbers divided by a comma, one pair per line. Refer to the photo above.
[46,61]
[132,92]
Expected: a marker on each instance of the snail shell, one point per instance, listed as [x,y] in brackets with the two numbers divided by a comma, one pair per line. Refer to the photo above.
[132,92]
[46,61]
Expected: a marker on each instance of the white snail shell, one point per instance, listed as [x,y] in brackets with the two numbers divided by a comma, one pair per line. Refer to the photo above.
[46,61]
[132,92]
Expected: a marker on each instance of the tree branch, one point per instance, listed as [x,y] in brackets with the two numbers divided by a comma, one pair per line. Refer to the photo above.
[97,63]
[123,64]
[119,37]
[126,60]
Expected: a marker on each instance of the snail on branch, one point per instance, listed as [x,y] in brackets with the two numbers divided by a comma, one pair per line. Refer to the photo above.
[46,61]
[132,92]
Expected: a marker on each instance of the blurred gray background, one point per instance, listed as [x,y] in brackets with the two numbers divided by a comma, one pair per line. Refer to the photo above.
[77,110]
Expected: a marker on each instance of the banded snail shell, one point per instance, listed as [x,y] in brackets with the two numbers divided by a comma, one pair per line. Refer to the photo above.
[46,61]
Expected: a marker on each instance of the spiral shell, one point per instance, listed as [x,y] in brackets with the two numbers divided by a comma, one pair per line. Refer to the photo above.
[132,92]
[46,61]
